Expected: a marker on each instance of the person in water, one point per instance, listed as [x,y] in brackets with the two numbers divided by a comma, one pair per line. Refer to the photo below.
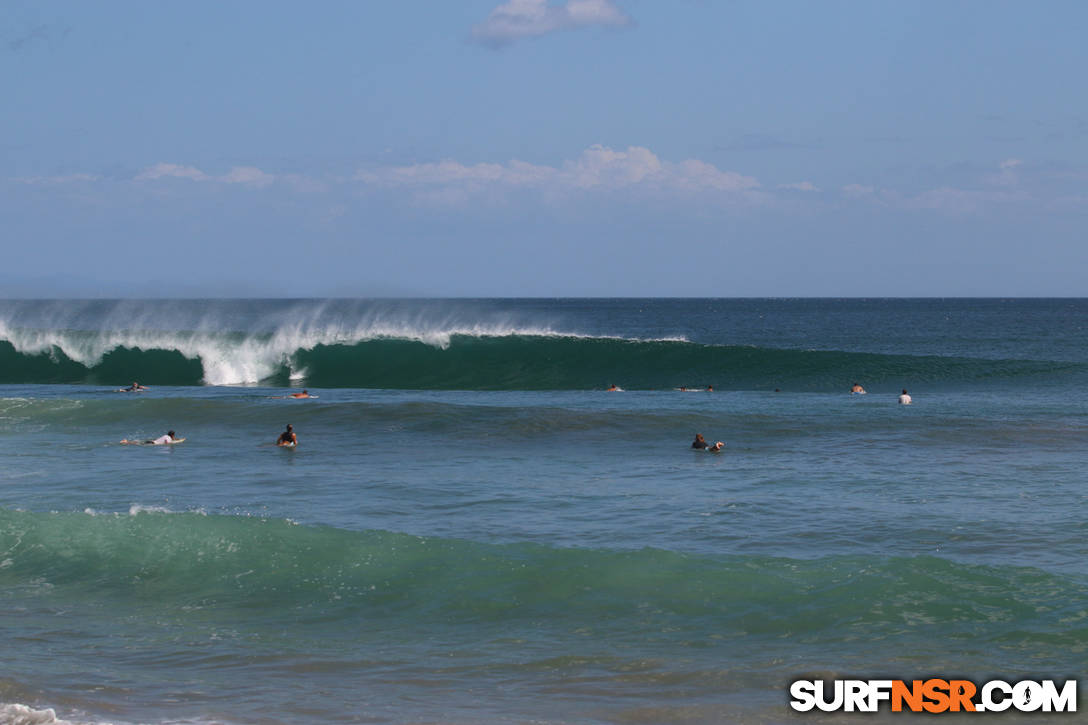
[162,440]
[612,388]
[303,394]
[134,388]
[288,437]
[904,397]
[857,389]
[710,388]
[700,444]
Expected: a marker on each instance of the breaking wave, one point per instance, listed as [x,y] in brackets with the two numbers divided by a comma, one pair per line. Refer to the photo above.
[422,345]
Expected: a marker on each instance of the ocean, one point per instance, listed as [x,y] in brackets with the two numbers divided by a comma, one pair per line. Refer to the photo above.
[473,529]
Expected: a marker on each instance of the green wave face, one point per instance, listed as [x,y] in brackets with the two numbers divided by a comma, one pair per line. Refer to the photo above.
[120,365]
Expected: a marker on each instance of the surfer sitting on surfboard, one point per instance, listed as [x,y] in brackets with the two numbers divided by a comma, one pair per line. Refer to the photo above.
[288,437]
[162,440]
[700,444]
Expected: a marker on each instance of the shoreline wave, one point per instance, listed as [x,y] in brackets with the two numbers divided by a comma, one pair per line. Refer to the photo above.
[235,566]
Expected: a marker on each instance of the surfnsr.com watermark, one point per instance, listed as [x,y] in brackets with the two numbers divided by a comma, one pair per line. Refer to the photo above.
[933,695]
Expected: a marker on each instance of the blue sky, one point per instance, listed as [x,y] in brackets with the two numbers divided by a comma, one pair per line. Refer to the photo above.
[543,148]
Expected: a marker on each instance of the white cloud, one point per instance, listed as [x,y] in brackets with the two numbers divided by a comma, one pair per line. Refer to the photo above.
[945,199]
[1008,176]
[961,201]
[635,172]
[452,172]
[247,175]
[858,190]
[799,186]
[517,19]
[302,183]
[54,180]
[597,168]
[159,171]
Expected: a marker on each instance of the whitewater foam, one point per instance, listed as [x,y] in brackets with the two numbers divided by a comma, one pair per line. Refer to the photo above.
[17,714]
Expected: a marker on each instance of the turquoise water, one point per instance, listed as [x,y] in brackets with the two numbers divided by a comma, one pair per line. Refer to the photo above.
[472,530]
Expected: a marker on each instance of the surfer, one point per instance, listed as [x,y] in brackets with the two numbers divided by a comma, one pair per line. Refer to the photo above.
[904,397]
[162,440]
[134,388]
[612,388]
[303,394]
[857,389]
[700,444]
[710,388]
[288,437]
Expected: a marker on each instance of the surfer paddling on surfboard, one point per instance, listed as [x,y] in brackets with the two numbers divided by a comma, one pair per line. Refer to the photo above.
[700,444]
[297,396]
[857,390]
[163,440]
[287,438]
[134,388]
